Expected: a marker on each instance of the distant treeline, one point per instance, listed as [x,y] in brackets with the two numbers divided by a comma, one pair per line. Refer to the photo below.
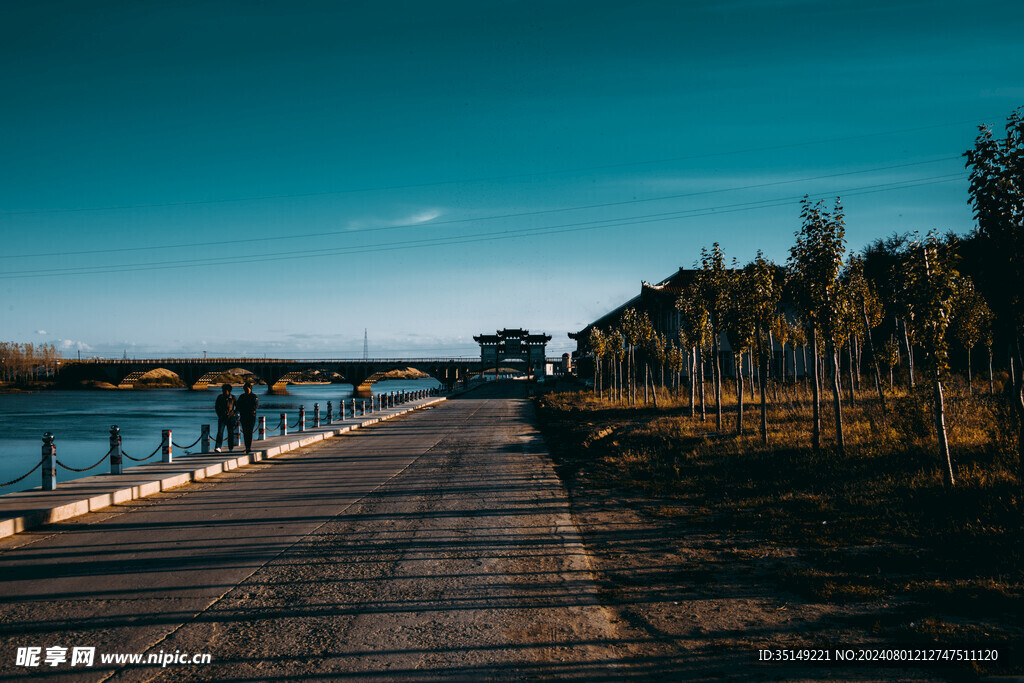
[27,362]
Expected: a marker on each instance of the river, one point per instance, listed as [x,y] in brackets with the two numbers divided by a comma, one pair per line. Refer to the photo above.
[80,422]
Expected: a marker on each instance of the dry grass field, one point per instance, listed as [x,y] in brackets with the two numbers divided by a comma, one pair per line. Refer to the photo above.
[873,528]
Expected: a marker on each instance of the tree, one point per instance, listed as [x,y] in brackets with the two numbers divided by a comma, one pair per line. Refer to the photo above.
[814,265]
[762,294]
[740,328]
[865,302]
[598,344]
[971,322]
[932,284]
[997,196]
[695,327]
[712,288]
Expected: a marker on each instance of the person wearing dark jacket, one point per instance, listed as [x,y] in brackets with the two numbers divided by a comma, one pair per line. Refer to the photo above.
[246,407]
[226,417]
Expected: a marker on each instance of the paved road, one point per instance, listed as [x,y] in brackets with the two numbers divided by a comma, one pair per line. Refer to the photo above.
[439,545]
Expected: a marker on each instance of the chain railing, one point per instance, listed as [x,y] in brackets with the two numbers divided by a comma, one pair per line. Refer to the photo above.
[49,461]
[142,459]
[85,469]
[12,482]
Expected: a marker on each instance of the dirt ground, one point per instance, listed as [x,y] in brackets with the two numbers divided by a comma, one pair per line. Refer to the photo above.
[699,600]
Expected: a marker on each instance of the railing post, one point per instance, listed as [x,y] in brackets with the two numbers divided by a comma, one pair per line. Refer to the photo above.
[316,415]
[205,439]
[261,435]
[116,466]
[165,446]
[49,463]
[284,424]
[362,411]
[341,410]
[330,410]
[238,432]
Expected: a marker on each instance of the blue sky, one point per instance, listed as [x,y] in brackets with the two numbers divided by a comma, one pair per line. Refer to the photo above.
[272,178]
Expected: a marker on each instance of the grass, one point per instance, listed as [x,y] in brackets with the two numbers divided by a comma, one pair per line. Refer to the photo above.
[872,525]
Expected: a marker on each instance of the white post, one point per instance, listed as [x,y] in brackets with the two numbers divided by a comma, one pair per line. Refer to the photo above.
[165,446]
[49,463]
[316,415]
[116,459]
[284,424]
[262,434]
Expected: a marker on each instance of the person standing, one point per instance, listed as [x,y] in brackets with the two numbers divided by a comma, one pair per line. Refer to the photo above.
[246,406]
[226,417]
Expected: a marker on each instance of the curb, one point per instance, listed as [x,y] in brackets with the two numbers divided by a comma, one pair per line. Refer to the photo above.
[89,494]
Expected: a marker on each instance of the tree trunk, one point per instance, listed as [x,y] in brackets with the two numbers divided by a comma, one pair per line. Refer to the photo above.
[763,378]
[970,373]
[750,378]
[855,360]
[739,393]
[703,392]
[837,401]
[647,370]
[629,376]
[874,356]
[940,429]
[853,392]
[910,355]
[796,377]
[618,377]
[718,381]
[810,373]
[991,384]
[691,360]
[647,381]
[773,377]
[815,392]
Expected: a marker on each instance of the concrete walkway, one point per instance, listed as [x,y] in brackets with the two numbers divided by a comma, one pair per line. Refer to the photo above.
[437,546]
[31,509]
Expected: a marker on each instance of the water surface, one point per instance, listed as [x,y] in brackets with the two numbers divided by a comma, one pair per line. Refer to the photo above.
[80,422]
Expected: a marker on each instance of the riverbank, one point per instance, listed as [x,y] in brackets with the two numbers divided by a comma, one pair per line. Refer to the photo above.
[715,541]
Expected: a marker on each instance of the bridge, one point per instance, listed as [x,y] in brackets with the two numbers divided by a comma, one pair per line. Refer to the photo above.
[514,346]
[199,373]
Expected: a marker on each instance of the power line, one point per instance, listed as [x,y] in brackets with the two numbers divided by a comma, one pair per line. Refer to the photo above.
[481,237]
[532,174]
[456,221]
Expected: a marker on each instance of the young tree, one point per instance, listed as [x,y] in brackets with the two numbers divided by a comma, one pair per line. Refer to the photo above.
[997,195]
[617,343]
[598,344]
[695,327]
[814,265]
[712,286]
[740,329]
[762,294]
[932,284]
[971,322]
[865,302]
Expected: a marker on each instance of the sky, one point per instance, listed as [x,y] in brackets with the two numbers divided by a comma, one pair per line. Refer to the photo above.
[271,178]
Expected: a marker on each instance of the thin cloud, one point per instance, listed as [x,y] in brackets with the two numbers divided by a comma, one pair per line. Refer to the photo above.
[416,218]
